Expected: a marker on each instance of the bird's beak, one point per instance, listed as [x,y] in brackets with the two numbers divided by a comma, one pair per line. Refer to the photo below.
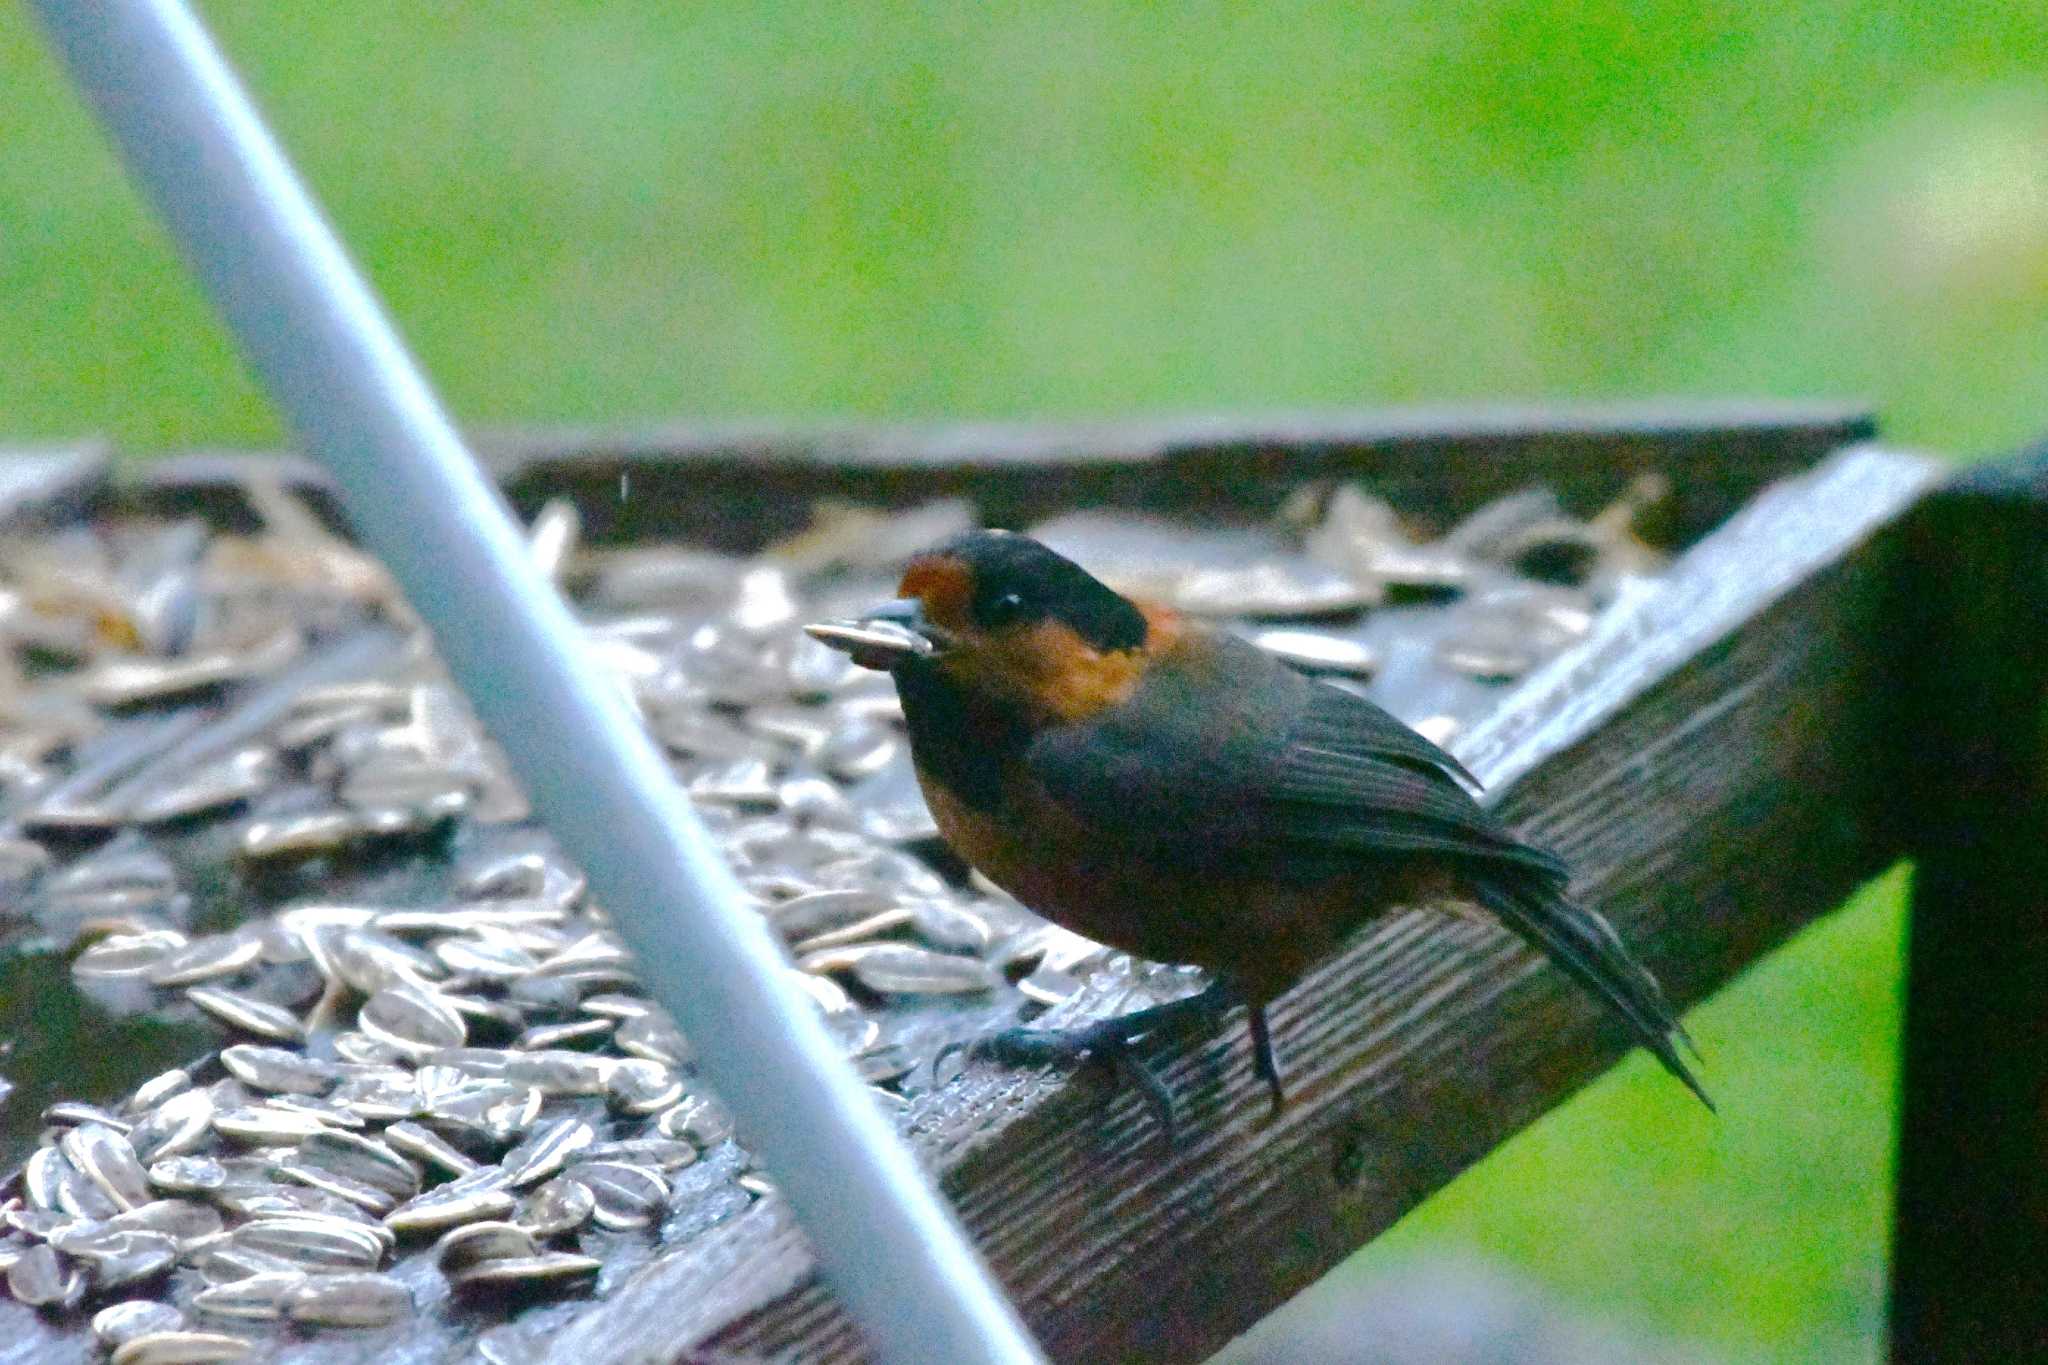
[883,636]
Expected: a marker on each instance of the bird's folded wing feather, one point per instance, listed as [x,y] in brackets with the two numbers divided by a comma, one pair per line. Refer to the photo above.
[1290,772]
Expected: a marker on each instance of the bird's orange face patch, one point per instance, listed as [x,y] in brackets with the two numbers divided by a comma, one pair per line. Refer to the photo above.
[945,587]
[1041,663]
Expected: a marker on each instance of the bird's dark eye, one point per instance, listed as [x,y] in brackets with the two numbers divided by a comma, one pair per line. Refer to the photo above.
[1003,609]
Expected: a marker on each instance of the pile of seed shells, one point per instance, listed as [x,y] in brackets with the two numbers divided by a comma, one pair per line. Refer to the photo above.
[473,1073]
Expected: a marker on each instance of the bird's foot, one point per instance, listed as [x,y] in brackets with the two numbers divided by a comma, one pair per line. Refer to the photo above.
[1107,1041]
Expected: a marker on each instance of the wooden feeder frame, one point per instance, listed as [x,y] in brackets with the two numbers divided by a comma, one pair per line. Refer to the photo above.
[1847,665]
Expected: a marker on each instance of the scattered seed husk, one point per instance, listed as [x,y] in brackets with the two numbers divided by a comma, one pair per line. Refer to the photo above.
[489,959]
[41,1278]
[117,1256]
[363,1159]
[155,1091]
[106,1158]
[44,1176]
[653,1038]
[483,1193]
[188,1175]
[363,1196]
[278,1070]
[574,1033]
[700,1121]
[527,1274]
[177,1126]
[300,836]
[253,1298]
[879,1066]
[545,1150]
[206,959]
[558,1072]
[362,1300]
[119,1323]
[181,1348]
[70,1113]
[223,783]
[555,1207]
[655,1153]
[39,1224]
[313,1241]
[427,1148]
[627,1196]
[413,1019]
[904,969]
[247,1014]
[467,1246]
[639,1087]
[267,1125]
[224,1263]
[1046,985]
[128,957]
[188,1223]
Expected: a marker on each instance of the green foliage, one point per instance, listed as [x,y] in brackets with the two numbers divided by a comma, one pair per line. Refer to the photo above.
[1763,1231]
[598,213]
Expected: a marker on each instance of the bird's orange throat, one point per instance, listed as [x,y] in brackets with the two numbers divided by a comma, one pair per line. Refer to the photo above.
[1055,675]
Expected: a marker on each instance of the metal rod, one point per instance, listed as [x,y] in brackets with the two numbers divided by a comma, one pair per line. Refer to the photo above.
[307,322]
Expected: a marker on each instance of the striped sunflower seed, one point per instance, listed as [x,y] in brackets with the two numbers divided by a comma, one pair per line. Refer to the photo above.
[467,1246]
[544,1151]
[247,1013]
[349,1301]
[278,1070]
[181,1348]
[514,1275]
[556,1207]
[106,1158]
[427,1148]
[119,1323]
[313,1241]
[43,1279]
[627,1196]
[188,1175]
[413,1019]
[260,1297]
[117,1256]
[180,1125]
[206,959]
[128,957]
[483,1193]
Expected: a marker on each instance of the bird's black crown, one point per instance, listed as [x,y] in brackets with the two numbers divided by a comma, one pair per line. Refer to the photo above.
[1018,581]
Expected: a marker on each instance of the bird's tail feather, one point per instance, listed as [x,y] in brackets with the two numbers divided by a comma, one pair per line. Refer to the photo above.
[1586,946]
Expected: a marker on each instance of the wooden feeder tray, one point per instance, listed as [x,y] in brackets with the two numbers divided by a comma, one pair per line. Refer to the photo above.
[1713,760]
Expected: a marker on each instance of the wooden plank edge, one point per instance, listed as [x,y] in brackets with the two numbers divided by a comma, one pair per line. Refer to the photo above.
[1102,1239]
[1156,436]
[738,486]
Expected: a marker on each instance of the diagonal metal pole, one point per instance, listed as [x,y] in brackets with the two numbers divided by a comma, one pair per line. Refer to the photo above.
[309,325]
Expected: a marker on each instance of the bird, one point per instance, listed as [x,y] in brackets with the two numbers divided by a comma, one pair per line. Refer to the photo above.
[1168,788]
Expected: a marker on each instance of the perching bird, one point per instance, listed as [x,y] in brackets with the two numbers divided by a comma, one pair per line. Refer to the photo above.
[1176,792]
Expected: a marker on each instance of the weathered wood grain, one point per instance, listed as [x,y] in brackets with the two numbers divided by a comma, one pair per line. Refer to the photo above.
[1970,1251]
[1714,763]
[739,487]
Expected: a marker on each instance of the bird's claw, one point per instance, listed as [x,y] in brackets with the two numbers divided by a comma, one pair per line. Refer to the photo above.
[1107,1041]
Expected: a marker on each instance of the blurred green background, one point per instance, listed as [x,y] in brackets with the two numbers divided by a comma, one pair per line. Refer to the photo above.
[602,213]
